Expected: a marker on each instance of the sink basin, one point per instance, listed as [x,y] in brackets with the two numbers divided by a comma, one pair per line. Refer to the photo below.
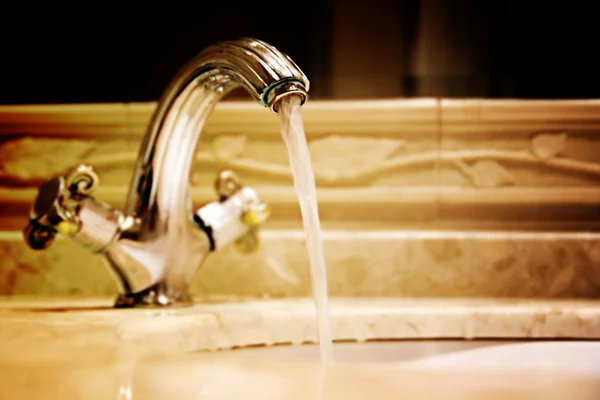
[570,357]
[428,369]
[370,370]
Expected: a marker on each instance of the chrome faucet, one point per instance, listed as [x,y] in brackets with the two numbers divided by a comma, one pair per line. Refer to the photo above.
[157,243]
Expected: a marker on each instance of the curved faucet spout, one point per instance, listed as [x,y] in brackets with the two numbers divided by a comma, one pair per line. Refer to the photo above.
[165,239]
[265,72]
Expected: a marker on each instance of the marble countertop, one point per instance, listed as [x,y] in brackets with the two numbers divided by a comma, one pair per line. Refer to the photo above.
[89,330]
[81,348]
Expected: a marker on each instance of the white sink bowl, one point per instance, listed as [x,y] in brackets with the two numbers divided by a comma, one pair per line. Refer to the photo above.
[571,357]
[427,369]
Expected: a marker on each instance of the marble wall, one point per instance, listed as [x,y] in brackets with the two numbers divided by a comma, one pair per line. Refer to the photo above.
[369,264]
[450,169]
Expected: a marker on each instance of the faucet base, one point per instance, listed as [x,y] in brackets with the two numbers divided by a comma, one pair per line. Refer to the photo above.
[154,296]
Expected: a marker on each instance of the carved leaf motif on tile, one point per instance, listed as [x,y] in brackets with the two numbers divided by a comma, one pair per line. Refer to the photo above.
[28,160]
[546,146]
[229,147]
[339,161]
[336,156]
[487,173]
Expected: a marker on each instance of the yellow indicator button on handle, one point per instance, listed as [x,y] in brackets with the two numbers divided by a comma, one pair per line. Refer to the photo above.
[255,217]
[67,228]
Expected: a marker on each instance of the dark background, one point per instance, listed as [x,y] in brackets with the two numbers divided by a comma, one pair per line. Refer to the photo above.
[96,52]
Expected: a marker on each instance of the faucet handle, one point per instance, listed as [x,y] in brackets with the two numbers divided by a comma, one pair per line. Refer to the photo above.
[235,217]
[56,207]
[227,184]
[254,210]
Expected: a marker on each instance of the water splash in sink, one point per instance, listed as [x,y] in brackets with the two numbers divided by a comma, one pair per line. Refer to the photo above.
[292,130]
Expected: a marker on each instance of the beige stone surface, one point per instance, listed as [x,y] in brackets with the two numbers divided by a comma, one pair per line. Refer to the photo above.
[85,331]
[360,264]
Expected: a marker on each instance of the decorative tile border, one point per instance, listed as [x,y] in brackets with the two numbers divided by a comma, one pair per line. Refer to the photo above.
[476,164]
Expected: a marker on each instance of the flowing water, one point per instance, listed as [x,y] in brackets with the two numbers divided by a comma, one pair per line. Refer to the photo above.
[292,130]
